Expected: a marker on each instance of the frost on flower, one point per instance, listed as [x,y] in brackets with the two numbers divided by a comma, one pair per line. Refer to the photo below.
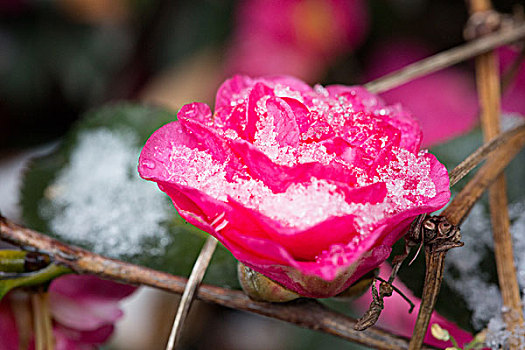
[98,199]
[305,185]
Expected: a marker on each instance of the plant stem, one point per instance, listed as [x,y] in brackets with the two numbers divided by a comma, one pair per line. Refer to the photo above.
[463,202]
[47,322]
[483,152]
[435,263]
[38,325]
[455,213]
[488,82]
[447,58]
[307,314]
[196,276]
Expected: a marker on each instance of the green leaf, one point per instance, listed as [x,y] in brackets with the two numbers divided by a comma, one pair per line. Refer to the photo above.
[88,193]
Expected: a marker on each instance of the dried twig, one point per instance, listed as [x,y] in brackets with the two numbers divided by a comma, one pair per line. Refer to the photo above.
[483,152]
[455,213]
[196,276]
[308,314]
[488,82]
[489,87]
[414,237]
[447,58]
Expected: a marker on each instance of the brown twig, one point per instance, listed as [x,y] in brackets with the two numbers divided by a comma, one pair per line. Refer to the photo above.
[455,213]
[414,237]
[488,82]
[308,314]
[460,206]
[483,152]
[196,276]
[447,58]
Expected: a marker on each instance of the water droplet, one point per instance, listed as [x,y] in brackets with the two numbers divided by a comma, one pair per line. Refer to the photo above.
[148,164]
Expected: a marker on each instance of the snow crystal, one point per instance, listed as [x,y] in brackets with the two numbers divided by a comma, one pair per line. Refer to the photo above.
[302,205]
[498,337]
[99,199]
[285,91]
[486,301]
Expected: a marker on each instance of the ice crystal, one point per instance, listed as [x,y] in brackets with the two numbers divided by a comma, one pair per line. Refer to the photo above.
[486,303]
[99,199]
[406,175]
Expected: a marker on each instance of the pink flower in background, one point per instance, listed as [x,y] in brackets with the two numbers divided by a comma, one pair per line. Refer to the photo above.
[513,99]
[310,187]
[396,318]
[296,37]
[445,103]
[83,308]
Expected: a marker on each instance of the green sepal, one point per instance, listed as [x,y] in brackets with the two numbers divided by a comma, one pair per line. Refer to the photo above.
[9,281]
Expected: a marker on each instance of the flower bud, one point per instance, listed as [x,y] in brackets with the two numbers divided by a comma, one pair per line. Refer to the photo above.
[260,288]
[439,333]
[360,287]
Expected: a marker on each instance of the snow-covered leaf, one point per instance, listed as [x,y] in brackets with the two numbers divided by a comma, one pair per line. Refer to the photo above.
[88,193]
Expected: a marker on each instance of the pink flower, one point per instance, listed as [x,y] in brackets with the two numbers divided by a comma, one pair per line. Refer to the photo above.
[296,37]
[513,99]
[83,308]
[445,102]
[310,187]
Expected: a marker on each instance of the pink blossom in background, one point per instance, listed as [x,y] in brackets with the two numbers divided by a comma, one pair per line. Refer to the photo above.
[445,103]
[395,316]
[83,308]
[513,100]
[8,337]
[295,37]
[304,185]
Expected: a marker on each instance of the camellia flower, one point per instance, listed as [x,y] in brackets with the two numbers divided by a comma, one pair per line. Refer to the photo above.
[310,187]
[296,37]
[83,309]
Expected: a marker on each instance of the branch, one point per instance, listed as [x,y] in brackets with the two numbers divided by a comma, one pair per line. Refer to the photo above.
[483,152]
[455,213]
[447,58]
[305,313]
[196,276]
[488,81]
[460,206]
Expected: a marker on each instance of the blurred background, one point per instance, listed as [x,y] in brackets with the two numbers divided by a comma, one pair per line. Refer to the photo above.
[62,58]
